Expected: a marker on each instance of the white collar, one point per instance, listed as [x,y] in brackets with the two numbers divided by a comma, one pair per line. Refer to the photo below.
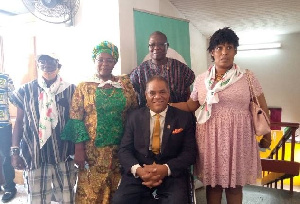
[116,84]
[112,83]
[163,113]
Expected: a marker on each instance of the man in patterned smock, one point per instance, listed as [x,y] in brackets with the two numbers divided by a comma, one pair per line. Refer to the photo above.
[6,88]
[42,110]
[179,75]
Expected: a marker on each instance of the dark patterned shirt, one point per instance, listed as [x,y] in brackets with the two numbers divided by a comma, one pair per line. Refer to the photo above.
[179,76]
[55,150]
[6,89]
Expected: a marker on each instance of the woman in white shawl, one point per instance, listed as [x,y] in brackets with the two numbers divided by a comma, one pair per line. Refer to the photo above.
[228,152]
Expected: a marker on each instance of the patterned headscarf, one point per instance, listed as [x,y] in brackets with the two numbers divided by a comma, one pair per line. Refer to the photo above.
[106,47]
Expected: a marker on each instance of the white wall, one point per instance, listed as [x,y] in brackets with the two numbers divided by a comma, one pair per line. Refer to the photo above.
[96,20]
[99,20]
[278,72]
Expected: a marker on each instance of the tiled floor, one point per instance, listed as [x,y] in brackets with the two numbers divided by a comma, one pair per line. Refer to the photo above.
[257,195]
[21,197]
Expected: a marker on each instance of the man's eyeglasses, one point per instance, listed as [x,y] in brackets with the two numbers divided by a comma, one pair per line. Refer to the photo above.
[158,45]
[48,62]
[108,60]
[160,93]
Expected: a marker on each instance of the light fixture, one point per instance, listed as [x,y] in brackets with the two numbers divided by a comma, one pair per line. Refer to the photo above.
[262,46]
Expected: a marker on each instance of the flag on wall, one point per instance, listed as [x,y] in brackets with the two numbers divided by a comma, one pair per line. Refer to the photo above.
[176,30]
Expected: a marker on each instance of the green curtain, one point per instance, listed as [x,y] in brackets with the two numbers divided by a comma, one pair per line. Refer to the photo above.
[176,30]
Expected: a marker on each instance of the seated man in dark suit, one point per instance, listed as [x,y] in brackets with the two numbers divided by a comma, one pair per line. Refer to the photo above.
[157,149]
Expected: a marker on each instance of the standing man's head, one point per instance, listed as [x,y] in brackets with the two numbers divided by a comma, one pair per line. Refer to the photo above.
[48,65]
[158,46]
[157,94]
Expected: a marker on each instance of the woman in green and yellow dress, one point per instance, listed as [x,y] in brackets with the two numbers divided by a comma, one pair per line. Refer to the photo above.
[97,114]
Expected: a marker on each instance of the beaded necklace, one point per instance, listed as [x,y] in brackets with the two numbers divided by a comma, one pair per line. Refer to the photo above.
[218,77]
[108,95]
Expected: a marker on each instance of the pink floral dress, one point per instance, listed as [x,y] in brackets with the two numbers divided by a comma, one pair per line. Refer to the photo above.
[228,153]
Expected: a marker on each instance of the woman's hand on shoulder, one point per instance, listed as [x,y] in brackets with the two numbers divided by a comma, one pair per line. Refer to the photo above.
[189,106]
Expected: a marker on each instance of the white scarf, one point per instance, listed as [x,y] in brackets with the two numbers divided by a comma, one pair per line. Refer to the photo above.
[47,107]
[231,76]
[102,83]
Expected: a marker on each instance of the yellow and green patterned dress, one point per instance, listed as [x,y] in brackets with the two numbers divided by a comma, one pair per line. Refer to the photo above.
[97,118]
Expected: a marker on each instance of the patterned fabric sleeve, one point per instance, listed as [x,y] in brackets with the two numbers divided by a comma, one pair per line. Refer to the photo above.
[125,80]
[130,95]
[75,130]
[17,97]
[77,105]
[134,78]
[10,88]
[194,94]
[189,76]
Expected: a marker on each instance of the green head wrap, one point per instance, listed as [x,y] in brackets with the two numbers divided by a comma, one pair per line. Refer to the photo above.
[106,47]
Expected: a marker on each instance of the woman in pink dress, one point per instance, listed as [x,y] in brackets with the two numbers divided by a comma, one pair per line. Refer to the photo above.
[228,152]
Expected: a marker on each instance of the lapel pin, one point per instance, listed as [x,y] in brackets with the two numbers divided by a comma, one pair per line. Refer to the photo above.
[168,126]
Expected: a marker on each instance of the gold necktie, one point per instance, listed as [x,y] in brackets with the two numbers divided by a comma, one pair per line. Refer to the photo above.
[155,136]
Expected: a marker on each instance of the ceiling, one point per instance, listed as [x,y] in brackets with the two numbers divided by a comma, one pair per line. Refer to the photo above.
[272,16]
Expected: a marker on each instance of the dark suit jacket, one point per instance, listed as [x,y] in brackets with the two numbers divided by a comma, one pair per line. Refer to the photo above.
[178,150]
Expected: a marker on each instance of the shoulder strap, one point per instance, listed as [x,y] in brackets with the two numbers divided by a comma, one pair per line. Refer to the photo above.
[252,95]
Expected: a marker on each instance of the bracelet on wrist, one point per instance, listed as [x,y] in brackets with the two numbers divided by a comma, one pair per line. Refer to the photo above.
[267,141]
[14,151]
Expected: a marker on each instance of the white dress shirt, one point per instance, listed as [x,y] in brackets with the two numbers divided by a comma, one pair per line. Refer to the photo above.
[162,124]
[162,118]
